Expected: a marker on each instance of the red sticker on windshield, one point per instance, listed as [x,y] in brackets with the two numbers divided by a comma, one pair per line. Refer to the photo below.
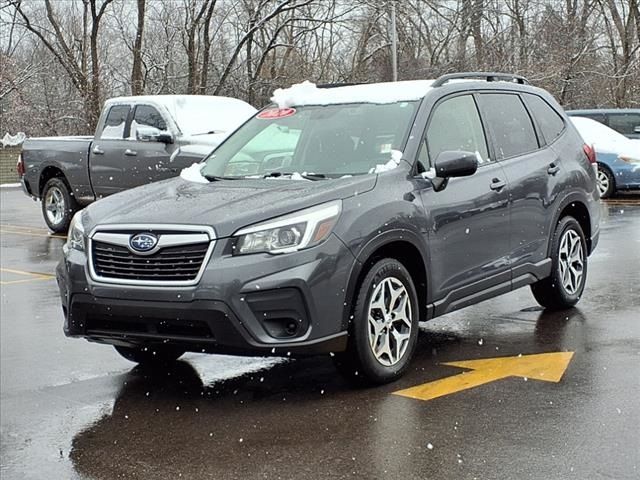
[272,113]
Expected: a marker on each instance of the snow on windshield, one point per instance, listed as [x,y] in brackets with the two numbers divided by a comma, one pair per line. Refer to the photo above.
[605,139]
[307,93]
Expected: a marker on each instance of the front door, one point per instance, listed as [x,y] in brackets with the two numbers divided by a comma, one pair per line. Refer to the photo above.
[469,220]
[150,161]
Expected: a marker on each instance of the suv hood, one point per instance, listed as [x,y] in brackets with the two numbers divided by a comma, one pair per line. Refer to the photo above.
[225,205]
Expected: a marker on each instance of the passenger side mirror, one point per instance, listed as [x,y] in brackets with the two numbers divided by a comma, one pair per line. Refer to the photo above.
[145,133]
[455,163]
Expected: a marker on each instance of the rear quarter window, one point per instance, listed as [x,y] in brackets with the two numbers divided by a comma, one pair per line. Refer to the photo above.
[549,121]
[512,130]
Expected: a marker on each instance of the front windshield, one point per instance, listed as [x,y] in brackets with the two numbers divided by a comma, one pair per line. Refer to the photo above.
[329,141]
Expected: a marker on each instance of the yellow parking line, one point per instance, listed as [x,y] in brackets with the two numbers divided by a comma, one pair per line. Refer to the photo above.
[28,232]
[26,280]
[35,276]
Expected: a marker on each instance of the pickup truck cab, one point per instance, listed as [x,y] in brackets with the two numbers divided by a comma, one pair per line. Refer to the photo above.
[138,140]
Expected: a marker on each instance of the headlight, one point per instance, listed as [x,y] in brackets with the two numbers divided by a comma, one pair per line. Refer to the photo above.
[75,237]
[289,233]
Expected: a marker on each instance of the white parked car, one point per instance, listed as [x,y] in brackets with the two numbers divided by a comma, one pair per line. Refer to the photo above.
[618,157]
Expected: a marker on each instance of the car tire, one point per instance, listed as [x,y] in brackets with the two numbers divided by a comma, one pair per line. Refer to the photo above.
[150,355]
[384,328]
[58,205]
[606,182]
[563,288]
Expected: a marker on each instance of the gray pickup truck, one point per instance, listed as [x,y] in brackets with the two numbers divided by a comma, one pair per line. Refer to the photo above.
[138,140]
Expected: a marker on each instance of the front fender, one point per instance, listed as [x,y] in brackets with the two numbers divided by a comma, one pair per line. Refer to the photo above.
[368,251]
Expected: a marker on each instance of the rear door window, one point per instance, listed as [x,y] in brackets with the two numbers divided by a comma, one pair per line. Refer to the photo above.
[455,125]
[510,124]
[148,116]
[625,123]
[115,122]
[548,120]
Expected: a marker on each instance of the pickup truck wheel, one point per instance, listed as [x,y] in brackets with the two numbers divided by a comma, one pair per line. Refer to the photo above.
[384,329]
[150,355]
[58,205]
[563,288]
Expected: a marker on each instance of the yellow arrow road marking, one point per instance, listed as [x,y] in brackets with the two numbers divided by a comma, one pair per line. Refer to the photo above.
[548,367]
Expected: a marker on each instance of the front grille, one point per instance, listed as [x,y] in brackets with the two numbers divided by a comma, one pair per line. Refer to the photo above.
[170,264]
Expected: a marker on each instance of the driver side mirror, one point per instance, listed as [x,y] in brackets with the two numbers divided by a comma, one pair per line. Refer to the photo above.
[453,163]
[145,133]
[456,163]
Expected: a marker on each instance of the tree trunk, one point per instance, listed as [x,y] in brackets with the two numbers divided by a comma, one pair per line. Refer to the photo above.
[137,80]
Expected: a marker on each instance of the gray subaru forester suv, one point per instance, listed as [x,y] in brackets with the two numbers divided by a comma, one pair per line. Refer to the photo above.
[335,220]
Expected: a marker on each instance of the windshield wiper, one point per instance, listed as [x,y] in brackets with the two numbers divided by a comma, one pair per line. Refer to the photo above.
[215,178]
[210,132]
[306,176]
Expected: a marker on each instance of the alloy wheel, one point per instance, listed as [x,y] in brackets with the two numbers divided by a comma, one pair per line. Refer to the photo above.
[603,182]
[571,261]
[55,205]
[389,319]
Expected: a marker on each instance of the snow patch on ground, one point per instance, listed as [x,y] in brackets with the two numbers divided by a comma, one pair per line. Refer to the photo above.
[307,93]
[9,185]
[193,173]
[214,368]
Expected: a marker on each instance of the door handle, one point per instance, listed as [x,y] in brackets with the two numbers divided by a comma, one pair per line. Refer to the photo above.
[97,150]
[130,153]
[497,184]
[553,169]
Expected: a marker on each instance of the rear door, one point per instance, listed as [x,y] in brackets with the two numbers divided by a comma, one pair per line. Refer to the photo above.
[532,170]
[469,232]
[149,161]
[107,171]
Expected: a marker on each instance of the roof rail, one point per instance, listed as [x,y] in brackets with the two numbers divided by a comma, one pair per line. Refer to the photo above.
[487,76]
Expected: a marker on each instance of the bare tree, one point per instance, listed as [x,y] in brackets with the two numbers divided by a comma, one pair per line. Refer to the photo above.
[137,79]
[52,36]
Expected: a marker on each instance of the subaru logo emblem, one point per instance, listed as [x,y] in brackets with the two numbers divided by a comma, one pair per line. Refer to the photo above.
[143,242]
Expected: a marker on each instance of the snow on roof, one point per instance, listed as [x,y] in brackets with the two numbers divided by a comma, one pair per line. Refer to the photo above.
[307,93]
[605,139]
[170,100]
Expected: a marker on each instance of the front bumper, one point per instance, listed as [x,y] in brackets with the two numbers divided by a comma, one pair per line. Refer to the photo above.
[254,304]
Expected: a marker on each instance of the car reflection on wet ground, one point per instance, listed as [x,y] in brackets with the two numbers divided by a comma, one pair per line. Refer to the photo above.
[71,409]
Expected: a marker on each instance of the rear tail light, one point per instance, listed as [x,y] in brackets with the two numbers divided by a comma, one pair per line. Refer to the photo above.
[590,153]
[20,166]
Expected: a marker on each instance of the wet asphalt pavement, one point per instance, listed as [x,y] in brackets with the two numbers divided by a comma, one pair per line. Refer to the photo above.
[70,409]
